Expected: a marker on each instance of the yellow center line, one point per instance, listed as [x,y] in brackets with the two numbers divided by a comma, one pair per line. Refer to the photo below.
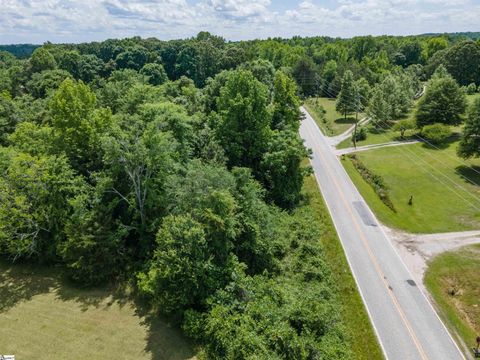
[373,258]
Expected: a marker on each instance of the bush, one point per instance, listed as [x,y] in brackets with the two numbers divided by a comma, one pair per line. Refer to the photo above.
[360,135]
[436,133]
[403,126]
[291,316]
[471,89]
[375,181]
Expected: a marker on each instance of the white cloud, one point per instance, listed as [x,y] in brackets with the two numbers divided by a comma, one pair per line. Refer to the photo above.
[84,20]
[359,17]
[240,9]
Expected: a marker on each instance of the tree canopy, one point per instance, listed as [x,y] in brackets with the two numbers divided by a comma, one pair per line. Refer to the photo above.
[176,166]
[444,102]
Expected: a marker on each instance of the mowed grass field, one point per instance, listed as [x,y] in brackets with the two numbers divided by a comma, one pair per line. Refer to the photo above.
[42,317]
[452,279]
[444,198]
[333,123]
[378,136]
[384,135]
[381,135]
[359,330]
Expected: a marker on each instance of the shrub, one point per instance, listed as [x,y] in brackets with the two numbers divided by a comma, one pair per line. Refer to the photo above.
[360,135]
[436,133]
[471,89]
[375,181]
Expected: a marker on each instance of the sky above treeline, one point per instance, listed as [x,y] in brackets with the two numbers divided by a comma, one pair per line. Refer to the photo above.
[37,21]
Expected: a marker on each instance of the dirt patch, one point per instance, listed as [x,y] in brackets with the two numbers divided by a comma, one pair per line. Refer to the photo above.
[417,250]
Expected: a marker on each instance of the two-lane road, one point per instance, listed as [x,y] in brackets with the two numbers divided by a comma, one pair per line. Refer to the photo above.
[404,320]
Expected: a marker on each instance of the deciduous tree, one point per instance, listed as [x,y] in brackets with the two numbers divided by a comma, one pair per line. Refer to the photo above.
[244,129]
[444,102]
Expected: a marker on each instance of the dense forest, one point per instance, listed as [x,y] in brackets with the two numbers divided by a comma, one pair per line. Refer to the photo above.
[177,166]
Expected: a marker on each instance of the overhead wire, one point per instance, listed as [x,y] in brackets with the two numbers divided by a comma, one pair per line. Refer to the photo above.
[327,91]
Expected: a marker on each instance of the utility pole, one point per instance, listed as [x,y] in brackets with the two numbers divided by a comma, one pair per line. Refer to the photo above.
[355,130]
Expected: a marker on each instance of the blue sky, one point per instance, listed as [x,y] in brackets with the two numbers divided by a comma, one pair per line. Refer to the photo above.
[37,21]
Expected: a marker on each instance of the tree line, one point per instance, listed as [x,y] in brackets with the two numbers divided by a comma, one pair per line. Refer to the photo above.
[190,194]
[177,166]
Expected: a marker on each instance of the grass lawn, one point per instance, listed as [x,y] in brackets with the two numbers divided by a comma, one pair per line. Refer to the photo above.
[43,317]
[452,279]
[362,338]
[379,136]
[382,135]
[438,204]
[332,123]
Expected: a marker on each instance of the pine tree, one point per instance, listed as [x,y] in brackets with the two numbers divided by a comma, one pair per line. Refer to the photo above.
[348,99]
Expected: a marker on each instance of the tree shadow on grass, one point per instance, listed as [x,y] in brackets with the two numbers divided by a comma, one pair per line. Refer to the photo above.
[441,146]
[21,282]
[164,340]
[470,174]
[406,137]
[106,295]
[377,131]
[342,121]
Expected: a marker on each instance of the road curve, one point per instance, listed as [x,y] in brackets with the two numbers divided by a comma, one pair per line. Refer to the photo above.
[405,322]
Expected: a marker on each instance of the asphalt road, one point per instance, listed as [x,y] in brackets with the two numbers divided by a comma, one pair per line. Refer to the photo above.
[405,322]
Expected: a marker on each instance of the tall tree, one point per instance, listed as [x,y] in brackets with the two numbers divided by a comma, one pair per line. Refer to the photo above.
[155,72]
[286,105]
[77,125]
[470,142]
[181,273]
[379,109]
[35,193]
[305,73]
[244,129]
[444,102]
[42,60]
[281,167]
[462,61]
[348,100]
[138,158]
[94,250]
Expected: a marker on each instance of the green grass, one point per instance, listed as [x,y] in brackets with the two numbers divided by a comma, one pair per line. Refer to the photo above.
[380,136]
[452,279]
[333,123]
[438,204]
[43,317]
[377,136]
[362,338]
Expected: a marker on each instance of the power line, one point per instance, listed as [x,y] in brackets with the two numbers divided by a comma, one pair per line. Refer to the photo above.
[434,169]
[463,162]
